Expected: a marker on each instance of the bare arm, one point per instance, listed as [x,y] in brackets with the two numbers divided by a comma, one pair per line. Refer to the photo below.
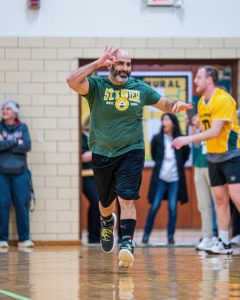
[213,132]
[171,106]
[77,80]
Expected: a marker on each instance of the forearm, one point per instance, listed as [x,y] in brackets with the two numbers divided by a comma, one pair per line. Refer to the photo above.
[23,148]
[165,104]
[6,145]
[203,136]
[79,75]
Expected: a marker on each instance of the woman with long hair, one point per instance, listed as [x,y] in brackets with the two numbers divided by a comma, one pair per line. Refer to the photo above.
[168,179]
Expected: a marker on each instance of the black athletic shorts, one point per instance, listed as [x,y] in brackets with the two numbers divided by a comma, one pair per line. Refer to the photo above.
[224,172]
[118,176]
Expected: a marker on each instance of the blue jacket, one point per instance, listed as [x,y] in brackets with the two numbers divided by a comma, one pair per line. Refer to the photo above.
[13,157]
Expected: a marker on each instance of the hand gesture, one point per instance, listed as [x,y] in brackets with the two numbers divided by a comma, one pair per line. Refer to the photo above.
[181,141]
[181,106]
[109,57]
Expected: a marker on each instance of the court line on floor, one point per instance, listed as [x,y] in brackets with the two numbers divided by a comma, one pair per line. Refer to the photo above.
[12,295]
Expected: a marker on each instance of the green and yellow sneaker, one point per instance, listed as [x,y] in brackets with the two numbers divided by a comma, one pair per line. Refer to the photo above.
[125,255]
[107,239]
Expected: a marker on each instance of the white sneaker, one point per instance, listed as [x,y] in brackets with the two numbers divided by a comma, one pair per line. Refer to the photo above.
[26,244]
[205,244]
[220,248]
[4,245]
[214,239]
[235,240]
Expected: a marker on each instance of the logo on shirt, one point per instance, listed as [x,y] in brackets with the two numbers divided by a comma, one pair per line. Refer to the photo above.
[122,104]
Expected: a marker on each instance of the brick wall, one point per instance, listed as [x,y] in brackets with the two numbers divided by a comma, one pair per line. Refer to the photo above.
[33,71]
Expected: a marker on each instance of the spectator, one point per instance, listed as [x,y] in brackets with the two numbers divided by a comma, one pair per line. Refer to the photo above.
[89,188]
[14,174]
[168,178]
[203,189]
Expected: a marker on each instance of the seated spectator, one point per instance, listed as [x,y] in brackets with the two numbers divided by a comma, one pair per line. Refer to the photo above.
[89,188]
[14,174]
[168,178]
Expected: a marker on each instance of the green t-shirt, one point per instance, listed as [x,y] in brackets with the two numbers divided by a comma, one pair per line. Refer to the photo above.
[199,159]
[116,115]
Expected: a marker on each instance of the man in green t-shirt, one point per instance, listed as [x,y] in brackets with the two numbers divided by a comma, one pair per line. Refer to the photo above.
[116,140]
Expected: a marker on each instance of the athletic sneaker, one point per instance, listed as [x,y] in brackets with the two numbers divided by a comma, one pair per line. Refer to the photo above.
[125,255]
[220,248]
[204,244]
[26,244]
[235,240]
[4,244]
[107,238]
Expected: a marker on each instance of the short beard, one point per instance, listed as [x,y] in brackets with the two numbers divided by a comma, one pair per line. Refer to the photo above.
[117,76]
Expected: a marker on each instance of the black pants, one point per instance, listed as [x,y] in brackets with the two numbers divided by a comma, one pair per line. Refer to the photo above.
[90,192]
[235,220]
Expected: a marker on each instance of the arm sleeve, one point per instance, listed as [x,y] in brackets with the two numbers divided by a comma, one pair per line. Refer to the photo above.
[223,110]
[92,90]
[26,146]
[7,145]
[85,147]
[151,95]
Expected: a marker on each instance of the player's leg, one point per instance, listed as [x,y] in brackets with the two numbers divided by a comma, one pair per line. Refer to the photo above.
[104,177]
[127,226]
[232,168]
[128,180]
[221,197]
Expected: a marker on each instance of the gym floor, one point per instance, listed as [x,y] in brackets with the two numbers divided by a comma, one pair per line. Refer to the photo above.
[81,272]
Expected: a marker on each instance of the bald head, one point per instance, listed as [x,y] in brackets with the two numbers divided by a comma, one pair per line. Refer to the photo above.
[122,54]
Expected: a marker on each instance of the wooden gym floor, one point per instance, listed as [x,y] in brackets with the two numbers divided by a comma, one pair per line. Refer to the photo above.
[81,272]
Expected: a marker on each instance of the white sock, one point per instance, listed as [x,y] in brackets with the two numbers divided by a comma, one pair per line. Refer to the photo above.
[224,236]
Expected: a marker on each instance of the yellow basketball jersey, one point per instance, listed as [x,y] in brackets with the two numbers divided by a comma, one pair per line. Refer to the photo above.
[221,106]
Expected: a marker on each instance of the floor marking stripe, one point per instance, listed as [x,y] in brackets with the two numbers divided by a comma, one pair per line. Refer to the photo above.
[15,296]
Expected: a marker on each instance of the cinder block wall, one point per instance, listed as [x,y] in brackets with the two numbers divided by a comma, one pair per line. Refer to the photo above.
[33,71]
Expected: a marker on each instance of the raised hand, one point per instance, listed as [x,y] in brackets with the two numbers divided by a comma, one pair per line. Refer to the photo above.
[109,57]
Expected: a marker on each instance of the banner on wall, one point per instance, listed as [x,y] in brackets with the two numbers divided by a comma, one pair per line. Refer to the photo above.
[177,85]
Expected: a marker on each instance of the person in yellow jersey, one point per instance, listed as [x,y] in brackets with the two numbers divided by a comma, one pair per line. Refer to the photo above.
[218,116]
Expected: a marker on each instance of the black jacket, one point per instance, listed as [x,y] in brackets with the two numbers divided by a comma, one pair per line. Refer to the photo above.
[13,158]
[157,151]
